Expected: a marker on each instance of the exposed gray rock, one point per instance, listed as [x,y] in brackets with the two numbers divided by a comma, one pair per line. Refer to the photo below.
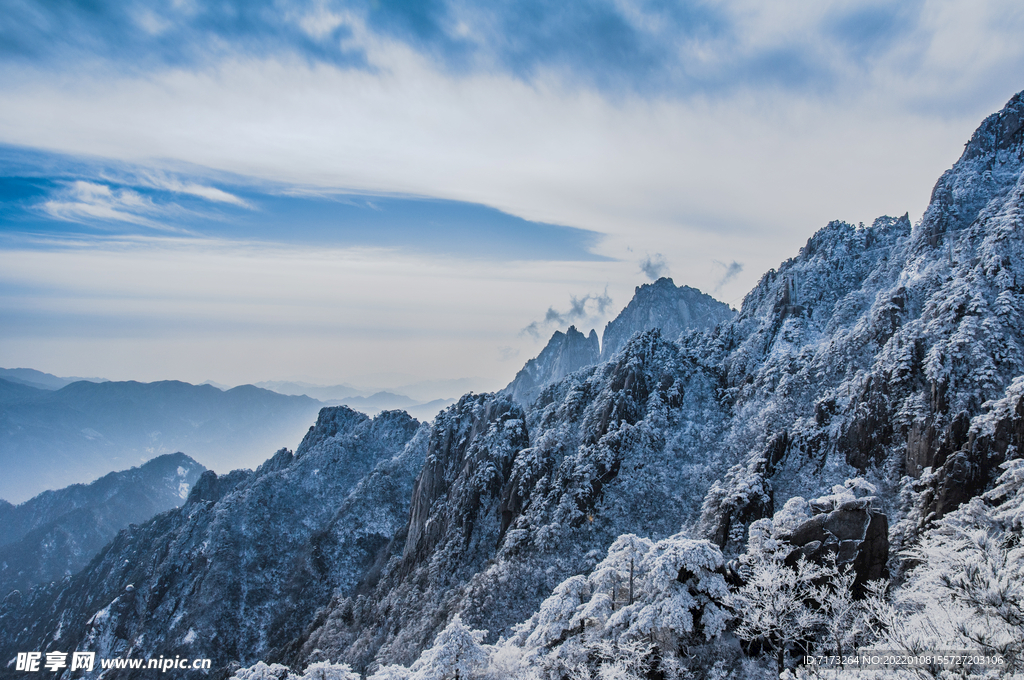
[565,353]
[854,533]
[662,305]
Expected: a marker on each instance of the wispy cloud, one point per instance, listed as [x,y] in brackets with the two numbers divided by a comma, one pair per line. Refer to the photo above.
[82,201]
[732,270]
[175,185]
[580,308]
[505,353]
[654,266]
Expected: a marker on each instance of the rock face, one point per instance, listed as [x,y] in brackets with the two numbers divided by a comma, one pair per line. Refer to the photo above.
[512,501]
[56,533]
[673,310]
[565,353]
[855,532]
[453,529]
[659,305]
[970,452]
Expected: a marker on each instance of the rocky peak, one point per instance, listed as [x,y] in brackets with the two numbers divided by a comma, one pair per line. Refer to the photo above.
[565,353]
[662,305]
[470,453]
[988,169]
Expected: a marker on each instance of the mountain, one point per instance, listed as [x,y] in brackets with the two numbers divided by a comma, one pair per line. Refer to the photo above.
[378,402]
[662,305]
[428,411]
[674,311]
[50,439]
[565,353]
[871,354]
[320,392]
[40,380]
[56,533]
[381,400]
[450,388]
[885,359]
[15,392]
[239,570]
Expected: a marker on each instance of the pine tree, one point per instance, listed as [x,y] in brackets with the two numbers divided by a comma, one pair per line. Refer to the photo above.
[457,654]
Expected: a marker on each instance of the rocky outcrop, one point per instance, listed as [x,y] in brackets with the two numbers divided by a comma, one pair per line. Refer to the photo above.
[853,531]
[513,500]
[452,532]
[673,310]
[470,455]
[964,458]
[565,353]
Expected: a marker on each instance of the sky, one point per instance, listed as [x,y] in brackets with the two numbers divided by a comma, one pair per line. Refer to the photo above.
[380,192]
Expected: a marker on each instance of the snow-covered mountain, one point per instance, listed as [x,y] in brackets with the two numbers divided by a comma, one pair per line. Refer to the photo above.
[565,353]
[240,569]
[674,310]
[636,501]
[56,533]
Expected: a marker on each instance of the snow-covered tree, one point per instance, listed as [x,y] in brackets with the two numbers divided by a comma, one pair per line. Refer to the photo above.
[262,671]
[967,591]
[775,606]
[319,670]
[631,612]
[392,672]
[458,653]
[510,662]
[325,670]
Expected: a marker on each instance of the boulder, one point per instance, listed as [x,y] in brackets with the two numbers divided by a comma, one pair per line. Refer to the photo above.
[857,535]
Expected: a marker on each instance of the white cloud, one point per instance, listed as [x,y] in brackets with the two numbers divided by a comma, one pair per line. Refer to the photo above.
[87,201]
[168,183]
[740,175]
[684,178]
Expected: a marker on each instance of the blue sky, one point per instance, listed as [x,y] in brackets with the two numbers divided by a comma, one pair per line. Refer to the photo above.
[46,196]
[388,191]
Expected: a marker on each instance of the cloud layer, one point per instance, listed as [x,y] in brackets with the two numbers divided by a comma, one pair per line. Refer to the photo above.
[551,141]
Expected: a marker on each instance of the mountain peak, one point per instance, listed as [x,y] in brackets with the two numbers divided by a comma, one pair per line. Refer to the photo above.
[565,353]
[662,304]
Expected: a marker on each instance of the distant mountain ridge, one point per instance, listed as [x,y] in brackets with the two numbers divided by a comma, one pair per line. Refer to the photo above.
[368,403]
[56,533]
[52,439]
[40,380]
[323,393]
